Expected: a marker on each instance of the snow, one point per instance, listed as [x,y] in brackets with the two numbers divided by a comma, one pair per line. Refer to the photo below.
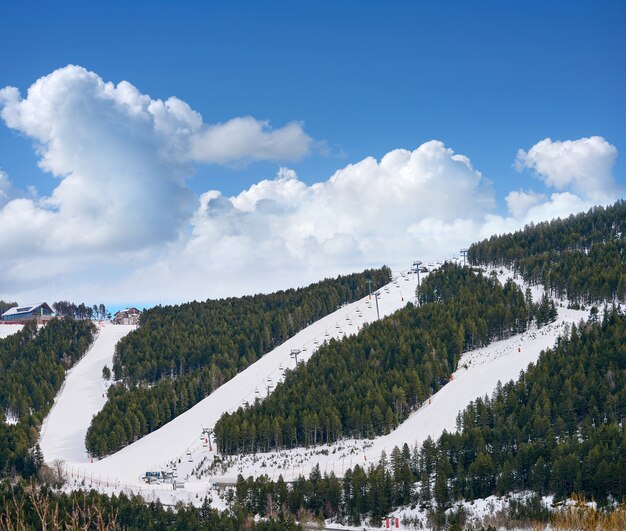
[82,395]
[501,361]
[480,513]
[8,329]
[183,434]
[180,446]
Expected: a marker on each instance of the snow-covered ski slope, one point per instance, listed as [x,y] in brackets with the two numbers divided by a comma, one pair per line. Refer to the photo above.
[83,394]
[479,373]
[6,330]
[181,440]
[183,434]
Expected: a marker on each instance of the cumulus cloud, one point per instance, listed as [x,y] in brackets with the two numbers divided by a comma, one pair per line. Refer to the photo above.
[281,232]
[520,202]
[123,226]
[583,166]
[122,159]
[425,203]
[247,138]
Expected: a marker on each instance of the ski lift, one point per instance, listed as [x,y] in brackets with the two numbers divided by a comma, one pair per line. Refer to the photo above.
[327,334]
[256,391]
[303,349]
[316,342]
[336,326]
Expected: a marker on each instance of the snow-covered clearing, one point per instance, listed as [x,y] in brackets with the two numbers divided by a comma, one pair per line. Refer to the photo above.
[82,395]
[181,438]
[479,513]
[501,361]
[8,329]
[180,446]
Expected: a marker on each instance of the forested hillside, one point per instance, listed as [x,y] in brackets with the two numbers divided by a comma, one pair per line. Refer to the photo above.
[365,385]
[32,369]
[26,508]
[581,258]
[187,351]
[557,430]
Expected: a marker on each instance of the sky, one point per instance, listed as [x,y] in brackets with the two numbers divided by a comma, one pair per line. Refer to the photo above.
[159,152]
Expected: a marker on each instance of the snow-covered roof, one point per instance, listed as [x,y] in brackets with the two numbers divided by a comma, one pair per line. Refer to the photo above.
[23,309]
[128,310]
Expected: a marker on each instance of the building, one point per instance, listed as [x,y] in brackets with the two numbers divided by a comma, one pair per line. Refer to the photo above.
[127,316]
[33,312]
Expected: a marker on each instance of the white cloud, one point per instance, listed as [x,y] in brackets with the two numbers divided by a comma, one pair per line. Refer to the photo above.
[247,138]
[122,158]
[123,226]
[583,166]
[282,232]
[519,202]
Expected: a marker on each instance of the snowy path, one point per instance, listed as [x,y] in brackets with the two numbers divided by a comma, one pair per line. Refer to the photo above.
[501,361]
[183,434]
[7,330]
[180,441]
[82,396]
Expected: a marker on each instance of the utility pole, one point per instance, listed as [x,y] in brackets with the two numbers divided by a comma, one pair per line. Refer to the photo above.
[294,354]
[376,295]
[464,255]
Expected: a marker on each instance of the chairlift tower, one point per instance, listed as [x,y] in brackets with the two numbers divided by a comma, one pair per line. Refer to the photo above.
[369,285]
[416,265]
[208,432]
[294,354]
[464,255]
[376,295]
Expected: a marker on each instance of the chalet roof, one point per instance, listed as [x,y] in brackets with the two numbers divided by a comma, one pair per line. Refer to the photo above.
[128,310]
[27,308]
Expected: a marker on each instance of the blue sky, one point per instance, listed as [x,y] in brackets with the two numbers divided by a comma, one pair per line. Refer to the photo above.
[360,78]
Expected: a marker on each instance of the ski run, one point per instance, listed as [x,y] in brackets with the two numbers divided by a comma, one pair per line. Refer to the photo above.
[181,447]
[82,395]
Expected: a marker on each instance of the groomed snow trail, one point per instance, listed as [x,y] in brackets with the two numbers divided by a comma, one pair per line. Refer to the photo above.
[83,394]
[181,442]
[501,361]
[183,434]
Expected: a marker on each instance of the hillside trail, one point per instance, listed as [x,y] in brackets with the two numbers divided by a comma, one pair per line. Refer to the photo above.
[82,395]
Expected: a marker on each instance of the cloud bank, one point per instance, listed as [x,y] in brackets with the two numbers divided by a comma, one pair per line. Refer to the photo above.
[584,165]
[122,225]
